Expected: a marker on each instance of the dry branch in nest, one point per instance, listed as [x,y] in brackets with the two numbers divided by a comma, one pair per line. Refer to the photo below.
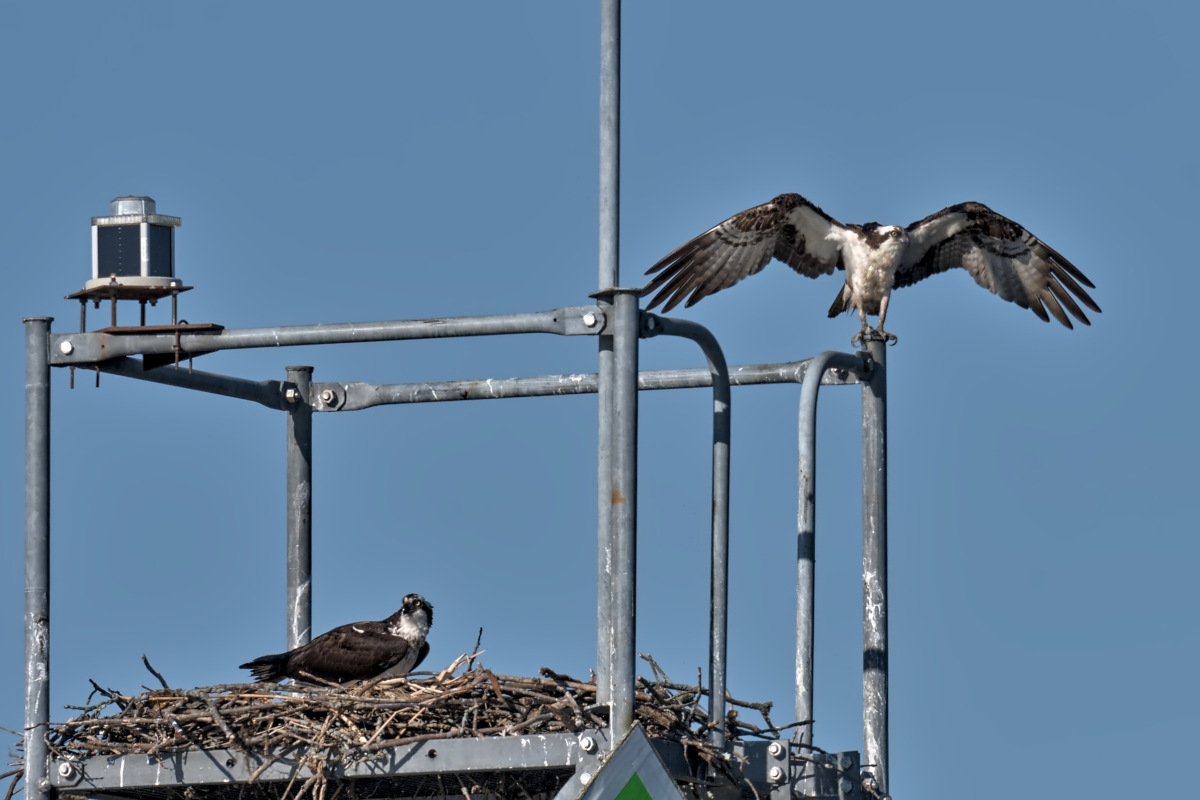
[352,723]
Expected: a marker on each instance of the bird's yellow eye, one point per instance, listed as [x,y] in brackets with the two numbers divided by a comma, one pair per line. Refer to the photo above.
[894,233]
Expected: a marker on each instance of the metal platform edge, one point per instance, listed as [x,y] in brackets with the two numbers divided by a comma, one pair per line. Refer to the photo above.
[583,752]
[230,766]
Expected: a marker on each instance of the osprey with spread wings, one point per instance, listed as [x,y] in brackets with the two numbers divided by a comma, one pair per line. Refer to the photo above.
[1000,255]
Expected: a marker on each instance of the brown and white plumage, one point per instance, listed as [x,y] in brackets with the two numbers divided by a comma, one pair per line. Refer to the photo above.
[389,648]
[998,253]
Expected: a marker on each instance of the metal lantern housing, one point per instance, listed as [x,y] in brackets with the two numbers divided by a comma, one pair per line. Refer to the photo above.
[134,246]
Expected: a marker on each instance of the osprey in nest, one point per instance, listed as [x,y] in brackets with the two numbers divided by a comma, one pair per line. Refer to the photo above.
[387,649]
[1000,255]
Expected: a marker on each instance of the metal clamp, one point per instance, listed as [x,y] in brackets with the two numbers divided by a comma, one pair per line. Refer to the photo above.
[583,321]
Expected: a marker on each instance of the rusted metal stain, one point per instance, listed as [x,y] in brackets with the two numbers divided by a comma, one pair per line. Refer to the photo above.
[618,499]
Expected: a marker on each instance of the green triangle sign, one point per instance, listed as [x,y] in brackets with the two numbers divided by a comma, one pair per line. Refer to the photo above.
[634,790]
[633,771]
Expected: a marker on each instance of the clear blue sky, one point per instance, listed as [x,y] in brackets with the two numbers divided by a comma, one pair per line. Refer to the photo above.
[348,162]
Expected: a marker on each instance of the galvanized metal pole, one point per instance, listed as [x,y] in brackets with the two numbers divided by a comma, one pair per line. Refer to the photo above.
[623,507]
[718,615]
[806,541]
[87,349]
[37,555]
[610,131]
[718,619]
[355,396]
[605,636]
[610,141]
[299,507]
[875,608]
[267,393]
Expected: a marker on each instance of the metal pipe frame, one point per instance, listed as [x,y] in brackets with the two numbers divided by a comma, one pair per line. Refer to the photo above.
[806,524]
[623,509]
[618,382]
[602,384]
[299,507]
[358,396]
[355,396]
[875,589]
[718,621]
[610,142]
[97,347]
[833,368]
[266,393]
[609,277]
[37,556]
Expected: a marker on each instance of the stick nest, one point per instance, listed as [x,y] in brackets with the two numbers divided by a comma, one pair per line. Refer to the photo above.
[353,722]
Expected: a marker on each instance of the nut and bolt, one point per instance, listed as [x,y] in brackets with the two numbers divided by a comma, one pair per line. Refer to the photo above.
[327,396]
[65,347]
[845,761]
[775,774]
[776,749]
[66,771]
[846,785]
[291,394]
[588,744]
[589,319]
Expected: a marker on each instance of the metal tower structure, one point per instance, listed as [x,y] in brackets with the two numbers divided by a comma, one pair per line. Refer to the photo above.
[564,765]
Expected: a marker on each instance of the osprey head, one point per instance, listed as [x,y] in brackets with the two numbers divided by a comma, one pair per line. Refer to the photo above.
[413,619]
[879,237]
[417,608]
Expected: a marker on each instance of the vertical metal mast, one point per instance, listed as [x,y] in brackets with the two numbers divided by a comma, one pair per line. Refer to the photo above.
[623,508]
[618,404]
[610,99]
[806,533]
[37,555]
[299,507]
[610,145]
[875,603]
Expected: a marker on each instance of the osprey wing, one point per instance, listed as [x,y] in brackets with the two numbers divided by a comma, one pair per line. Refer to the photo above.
[357,651]
[788,228]
[1001,256]
[424,651]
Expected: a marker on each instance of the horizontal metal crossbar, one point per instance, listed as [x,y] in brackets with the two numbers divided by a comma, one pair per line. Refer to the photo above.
[78,349]
[330,396]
